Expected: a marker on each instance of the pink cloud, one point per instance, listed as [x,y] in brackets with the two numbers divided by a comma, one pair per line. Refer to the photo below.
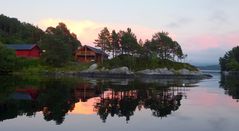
[87,30]
[205,41]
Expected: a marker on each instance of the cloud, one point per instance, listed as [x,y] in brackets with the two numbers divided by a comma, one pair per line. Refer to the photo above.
[219,17]
[87,30]
[207,41]
[180,22]
[206,49]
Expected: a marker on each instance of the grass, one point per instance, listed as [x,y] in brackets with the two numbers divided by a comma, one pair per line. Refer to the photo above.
[35,66]
[136,63]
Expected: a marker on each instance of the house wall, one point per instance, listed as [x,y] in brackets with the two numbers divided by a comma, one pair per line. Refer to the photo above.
[33,53]
[85,55]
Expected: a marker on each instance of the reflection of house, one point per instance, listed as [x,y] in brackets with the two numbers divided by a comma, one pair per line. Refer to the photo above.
[25,94]
[89,54]
[26,50]
[86,91]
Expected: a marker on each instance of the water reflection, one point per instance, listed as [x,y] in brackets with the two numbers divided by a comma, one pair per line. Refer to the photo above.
[57,97]
[231,85]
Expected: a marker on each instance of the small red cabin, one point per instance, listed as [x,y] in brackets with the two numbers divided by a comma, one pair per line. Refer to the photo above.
[90,54]
[26,50]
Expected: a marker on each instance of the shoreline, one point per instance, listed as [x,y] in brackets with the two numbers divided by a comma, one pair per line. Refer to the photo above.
[127,76]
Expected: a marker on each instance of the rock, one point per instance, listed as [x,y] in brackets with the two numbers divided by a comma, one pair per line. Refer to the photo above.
[184,72]
[121,70]
[147,71]
[164,71]
[93,67]
[158,71]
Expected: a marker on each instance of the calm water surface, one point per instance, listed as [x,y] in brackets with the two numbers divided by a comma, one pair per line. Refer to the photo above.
[70,104]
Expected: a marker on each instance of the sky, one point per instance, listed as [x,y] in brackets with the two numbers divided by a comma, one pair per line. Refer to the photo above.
[205,29]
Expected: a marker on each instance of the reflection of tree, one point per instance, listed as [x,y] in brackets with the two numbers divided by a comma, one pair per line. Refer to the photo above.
[11,109]
[231,85]
[163,105]
[160,101]
[56,100]
[56,97]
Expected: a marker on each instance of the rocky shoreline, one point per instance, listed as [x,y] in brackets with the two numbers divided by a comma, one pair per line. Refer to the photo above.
[124,72]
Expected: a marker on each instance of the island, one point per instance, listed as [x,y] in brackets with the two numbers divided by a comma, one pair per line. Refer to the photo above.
[27,49]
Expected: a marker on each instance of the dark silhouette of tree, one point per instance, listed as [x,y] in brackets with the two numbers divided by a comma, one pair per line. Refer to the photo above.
[12,31]
[103,40]
[230,61]
[59,45]
[115,43]
[230,84]
[7,59]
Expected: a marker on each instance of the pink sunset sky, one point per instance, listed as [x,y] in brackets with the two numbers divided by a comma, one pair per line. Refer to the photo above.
[206,29]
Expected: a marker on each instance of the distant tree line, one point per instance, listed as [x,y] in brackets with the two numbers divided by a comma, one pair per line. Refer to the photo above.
[230,61]
[125,42]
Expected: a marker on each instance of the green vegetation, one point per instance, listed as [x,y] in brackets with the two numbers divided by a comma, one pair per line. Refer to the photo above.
[230,61]
[125,42]
[12,31]
[36,66]
[159,52]
[59,46]
[7,59]
[141,63]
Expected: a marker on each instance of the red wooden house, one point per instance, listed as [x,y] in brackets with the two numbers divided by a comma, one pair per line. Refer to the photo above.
[26,50]
[90,54]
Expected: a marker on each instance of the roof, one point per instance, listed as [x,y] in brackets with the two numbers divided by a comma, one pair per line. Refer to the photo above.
[21,46]
[20,96]
[98,51]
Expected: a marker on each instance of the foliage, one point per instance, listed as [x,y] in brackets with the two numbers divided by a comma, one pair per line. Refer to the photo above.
[164,46]
[13,31]
[141,63]
[125,42]
[7,59]
[103,40]
[115,43]
[58,45]
[128,42]
[230,61]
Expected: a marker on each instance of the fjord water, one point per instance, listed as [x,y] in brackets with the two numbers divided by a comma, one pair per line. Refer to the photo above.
[69,104]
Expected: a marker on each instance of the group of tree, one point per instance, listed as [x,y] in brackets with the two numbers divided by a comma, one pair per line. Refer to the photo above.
[59,45]
[14,31]
[126,42]
[7,59]
[230,61]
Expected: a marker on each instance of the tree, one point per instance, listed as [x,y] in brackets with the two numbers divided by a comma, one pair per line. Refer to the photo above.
[69,38]
[114,42]
[7,59]
[164,46]
[103,40]
[60,45]
[230,61]
[128,42]
[14,31]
